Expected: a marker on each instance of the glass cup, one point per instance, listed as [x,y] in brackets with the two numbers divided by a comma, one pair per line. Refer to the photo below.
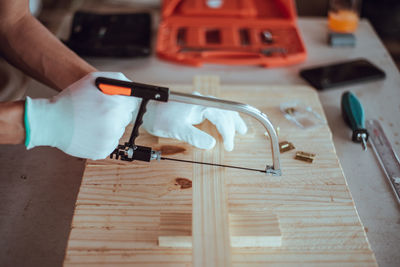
[343,15]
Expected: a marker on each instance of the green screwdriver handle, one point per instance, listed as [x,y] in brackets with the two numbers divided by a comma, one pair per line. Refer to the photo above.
[353,114]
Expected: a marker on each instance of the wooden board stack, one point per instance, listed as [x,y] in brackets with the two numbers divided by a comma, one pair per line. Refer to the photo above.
[124,208]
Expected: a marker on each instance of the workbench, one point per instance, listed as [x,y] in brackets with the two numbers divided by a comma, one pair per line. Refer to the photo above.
[38,188]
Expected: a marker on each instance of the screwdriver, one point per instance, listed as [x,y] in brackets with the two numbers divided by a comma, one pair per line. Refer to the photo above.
[353,114]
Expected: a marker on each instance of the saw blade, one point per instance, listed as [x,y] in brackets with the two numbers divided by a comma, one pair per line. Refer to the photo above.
[214,164]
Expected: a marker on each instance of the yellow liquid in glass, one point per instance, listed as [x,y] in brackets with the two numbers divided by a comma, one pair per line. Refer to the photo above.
[343,21]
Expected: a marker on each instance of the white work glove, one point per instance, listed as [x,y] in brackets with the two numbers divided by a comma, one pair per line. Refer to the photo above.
[81,120]
[176,120]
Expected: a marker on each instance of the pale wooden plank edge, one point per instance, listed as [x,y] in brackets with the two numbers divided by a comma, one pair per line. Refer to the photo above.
[247,230]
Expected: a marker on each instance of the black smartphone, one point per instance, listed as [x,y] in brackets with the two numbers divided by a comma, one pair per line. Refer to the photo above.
[341,74]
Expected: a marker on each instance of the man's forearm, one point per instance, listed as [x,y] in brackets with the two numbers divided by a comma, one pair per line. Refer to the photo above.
[12,129]
[28,45]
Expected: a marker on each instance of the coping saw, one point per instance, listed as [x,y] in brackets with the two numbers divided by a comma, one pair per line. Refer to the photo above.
[129,151]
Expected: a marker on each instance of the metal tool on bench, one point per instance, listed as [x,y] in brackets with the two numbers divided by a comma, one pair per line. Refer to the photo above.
[387,156]
[353,114]
[270,51]
[130,151]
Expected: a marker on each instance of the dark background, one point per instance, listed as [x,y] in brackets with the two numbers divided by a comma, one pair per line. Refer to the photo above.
[384,15]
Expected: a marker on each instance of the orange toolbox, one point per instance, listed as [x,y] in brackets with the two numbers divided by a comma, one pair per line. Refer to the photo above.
[233,32]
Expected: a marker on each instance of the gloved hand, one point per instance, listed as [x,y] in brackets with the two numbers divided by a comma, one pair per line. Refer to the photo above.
[81,120]
[176,120]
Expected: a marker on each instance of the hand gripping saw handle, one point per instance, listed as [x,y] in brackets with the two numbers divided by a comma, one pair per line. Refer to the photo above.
[130,151]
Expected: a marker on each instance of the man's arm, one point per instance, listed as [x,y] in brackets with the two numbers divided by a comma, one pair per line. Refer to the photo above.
[12,129]
[29,46]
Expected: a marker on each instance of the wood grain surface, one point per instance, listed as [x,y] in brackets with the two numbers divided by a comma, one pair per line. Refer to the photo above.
[117,215]
[248,229]
[210,222]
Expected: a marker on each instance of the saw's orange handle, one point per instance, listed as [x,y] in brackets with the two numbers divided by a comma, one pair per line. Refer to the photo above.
[114,89]
[146,91]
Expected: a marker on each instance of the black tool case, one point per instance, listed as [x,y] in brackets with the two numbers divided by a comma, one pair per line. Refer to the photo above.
[110,35]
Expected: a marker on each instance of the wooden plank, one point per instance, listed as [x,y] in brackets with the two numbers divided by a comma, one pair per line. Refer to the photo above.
[255,229]
[175,230]
[117,215]
[210,224]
